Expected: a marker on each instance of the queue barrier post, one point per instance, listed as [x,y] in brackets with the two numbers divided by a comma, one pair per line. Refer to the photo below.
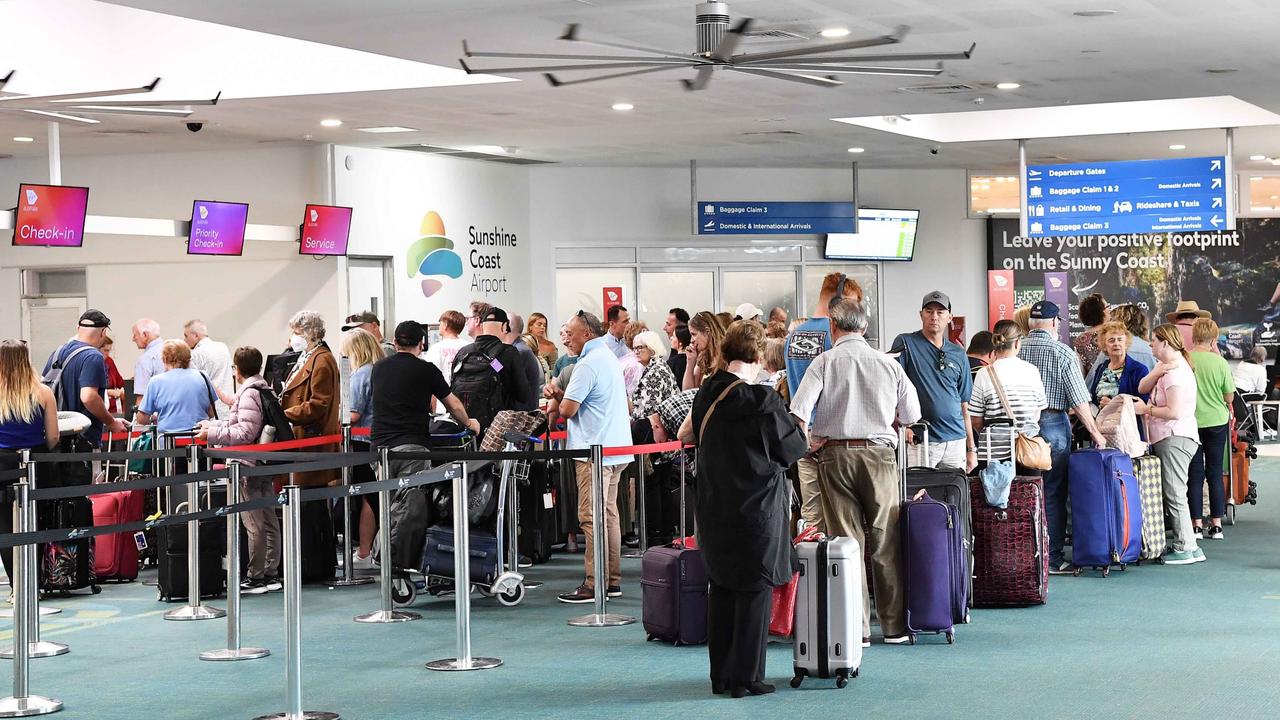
[388,613]
[509,550]
[462,587]
[600,539]
[22,703]
[638,552]
[233,650]
[194,609]
[36,648]
[348,578]
[292,542]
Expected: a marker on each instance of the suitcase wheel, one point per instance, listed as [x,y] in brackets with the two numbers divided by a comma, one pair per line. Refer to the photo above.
[911,639]
[842,680]
[95,589]
[795,681]
[512,597]
[403,591]
[1106,572]
[951,638]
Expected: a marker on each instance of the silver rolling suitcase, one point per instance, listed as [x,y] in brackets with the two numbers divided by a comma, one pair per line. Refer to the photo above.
[828,626]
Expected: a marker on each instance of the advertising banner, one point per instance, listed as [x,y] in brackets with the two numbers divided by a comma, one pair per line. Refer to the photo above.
[1233,274]
[1001,301]
[1055,291]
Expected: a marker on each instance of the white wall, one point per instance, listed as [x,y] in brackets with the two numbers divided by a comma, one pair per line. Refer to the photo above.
[599,207]
[392,191]
[244,300]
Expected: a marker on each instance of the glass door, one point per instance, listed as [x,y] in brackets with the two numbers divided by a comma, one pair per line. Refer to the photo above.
[369,288]
[766,289]
[664,288]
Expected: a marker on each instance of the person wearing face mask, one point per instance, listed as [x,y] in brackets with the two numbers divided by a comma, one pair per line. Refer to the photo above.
[311,394]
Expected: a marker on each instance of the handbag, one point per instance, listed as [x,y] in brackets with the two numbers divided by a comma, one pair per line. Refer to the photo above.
[1118,423]
[782,606]
[1030,452]
[705,418]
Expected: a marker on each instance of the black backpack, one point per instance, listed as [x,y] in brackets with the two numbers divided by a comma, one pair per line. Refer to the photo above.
[477,385]
[273,414]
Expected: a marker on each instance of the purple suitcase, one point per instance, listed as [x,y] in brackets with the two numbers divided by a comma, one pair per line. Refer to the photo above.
[1106,510]
[673,587]
[935,562]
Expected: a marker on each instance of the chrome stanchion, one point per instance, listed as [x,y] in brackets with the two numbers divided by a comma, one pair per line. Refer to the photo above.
[194,609]
[640,513]
[36,648]
[22,703]
[599,520]
[292,542]
[462,586]
[388,613]
[509,550]
[233,651]
[348,572]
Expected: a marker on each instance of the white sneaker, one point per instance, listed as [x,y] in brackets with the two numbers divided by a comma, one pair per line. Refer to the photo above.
[362,563]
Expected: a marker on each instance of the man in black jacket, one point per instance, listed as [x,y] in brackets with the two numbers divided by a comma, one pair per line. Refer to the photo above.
[488,375]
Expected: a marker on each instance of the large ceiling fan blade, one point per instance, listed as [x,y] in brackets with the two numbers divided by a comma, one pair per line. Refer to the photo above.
[554,68]
[5,80]
[857,69]
[146,103]
[571,34]
[882,57]
[701,81]
[569,56]
[63,116]
[793,77]
[135,111]
[729,43]
[25,99]
[890,39]
[557,82]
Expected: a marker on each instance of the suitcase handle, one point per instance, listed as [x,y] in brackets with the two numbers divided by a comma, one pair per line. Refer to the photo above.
[904,462]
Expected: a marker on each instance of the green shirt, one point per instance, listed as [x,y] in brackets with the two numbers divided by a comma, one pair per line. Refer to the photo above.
[1213,382]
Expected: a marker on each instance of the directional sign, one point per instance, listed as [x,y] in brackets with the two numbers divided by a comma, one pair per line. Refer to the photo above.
[774,218]
[1126,197]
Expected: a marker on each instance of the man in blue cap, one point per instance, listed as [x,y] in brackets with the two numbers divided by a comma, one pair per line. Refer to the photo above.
[1064,389]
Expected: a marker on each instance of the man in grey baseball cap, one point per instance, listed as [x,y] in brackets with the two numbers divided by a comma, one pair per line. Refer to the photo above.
[939,369]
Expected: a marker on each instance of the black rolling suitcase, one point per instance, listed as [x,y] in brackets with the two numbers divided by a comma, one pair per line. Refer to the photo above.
[538,513]
[171,554]
[67,565]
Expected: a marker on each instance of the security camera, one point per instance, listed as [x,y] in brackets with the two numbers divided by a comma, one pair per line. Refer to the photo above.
[935,149]
[195,126]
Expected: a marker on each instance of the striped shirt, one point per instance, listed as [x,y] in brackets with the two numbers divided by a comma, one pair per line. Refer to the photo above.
[1025,391]
[1059,368]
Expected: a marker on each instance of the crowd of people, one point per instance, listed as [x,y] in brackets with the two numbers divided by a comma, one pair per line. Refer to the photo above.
[802,413]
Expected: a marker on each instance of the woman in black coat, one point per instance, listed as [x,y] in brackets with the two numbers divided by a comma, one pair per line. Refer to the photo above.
[746,441]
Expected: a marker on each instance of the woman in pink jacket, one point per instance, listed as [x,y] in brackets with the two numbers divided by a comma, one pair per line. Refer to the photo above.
[243,426]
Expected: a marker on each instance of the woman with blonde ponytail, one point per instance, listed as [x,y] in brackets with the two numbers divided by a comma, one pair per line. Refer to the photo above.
[28,421]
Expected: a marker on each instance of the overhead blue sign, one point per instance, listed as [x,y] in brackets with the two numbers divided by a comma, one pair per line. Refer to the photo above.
[1138,196]
[774,218]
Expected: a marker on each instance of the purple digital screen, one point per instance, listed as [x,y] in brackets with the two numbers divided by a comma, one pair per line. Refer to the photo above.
[217,228]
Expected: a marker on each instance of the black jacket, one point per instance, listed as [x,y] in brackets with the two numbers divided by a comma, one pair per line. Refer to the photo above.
[515,385]
[743,510]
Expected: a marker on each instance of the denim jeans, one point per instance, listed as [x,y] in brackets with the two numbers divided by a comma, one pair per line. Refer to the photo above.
[1055,428]
[1206,466]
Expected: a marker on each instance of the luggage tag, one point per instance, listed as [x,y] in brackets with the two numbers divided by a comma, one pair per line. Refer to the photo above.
[497,366]
[140,539]
[548,501]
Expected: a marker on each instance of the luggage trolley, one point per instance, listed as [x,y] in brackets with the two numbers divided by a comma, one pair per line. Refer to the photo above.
[488,549]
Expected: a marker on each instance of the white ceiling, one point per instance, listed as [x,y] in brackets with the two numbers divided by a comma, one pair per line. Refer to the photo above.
[1151,49]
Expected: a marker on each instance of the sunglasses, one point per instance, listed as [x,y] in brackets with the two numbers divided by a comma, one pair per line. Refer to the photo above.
[942,360]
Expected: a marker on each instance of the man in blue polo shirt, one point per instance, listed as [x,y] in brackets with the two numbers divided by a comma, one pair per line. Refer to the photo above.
[595,405]
[939,369]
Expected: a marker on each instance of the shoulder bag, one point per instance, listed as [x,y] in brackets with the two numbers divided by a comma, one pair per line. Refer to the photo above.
[1031,452]
[703,427]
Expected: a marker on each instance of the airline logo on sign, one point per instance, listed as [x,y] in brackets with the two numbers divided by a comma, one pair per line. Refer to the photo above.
[315,216]
[32,199]
[204,213]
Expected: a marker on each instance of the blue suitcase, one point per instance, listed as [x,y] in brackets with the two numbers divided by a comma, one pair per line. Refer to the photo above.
[935,566]
[1106,509]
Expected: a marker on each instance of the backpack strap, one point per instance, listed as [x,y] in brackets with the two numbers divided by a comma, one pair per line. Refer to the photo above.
[62,361]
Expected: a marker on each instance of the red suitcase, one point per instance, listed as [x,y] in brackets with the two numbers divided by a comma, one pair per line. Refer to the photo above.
[1010,546]
[116,556]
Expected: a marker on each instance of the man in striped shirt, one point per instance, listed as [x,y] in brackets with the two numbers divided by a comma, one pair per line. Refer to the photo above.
[1064,390]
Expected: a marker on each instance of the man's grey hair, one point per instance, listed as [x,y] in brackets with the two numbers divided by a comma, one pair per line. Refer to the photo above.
[591,323]
[517,324]
[148,326]
[308,324]
[1040,323]
[1259,355]
[849,314]
[197,327]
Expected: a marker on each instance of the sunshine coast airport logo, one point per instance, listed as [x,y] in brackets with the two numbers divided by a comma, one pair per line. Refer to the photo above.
[432,256]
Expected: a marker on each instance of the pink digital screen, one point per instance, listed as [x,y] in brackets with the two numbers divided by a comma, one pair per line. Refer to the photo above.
[325,230]
[50,215]
[217,228]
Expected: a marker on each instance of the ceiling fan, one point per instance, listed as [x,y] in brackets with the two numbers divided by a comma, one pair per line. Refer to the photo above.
[75,106]
[717,44]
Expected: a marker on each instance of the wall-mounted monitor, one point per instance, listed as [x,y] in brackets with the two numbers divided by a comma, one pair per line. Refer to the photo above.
[217,228]
[325,230]
[883,234]
[50,215]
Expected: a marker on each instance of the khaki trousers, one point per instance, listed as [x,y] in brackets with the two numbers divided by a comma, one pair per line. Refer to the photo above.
[810,493]
[860,499]
[613,530]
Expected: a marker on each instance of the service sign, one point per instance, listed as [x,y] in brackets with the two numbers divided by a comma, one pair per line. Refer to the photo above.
[325,230]
[1138,196]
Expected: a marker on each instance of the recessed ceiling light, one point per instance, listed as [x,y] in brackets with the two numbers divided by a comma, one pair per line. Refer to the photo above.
[1177,147]
[1255,178]
[491,149]
[835,32]
[1275,197]
[331,122]
[23,138]
[386,129]
[1093,13]
[1257,157]
[623,106]
[1008,86]
[857,150]
[1090,52]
